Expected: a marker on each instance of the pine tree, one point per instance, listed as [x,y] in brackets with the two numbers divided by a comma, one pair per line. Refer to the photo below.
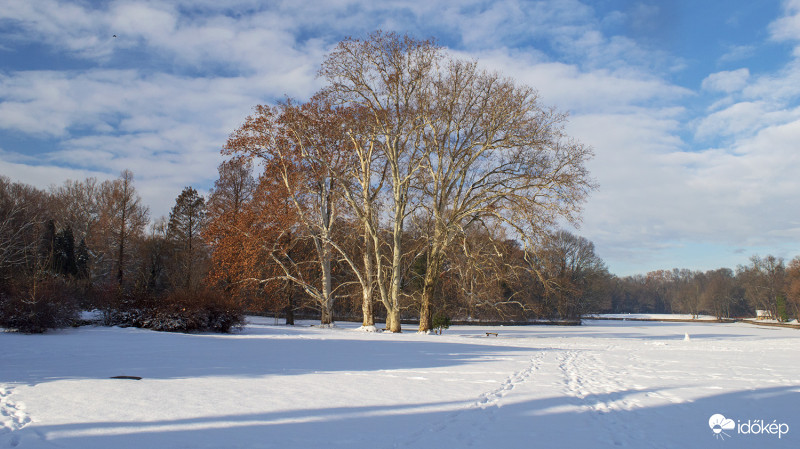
[64,253]
[186,221]
[82,260]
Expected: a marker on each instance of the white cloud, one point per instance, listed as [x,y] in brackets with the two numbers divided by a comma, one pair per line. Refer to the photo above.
[727,81]
[44,176]
[787,28]
[742,119]
[167,129]
[154,24]
[737,53]
[572,88]
[162,97]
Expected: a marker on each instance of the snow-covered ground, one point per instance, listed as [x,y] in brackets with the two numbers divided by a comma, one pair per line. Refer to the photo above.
[603,384]
[655,316]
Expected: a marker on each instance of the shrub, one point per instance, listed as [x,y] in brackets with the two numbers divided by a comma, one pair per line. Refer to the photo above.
[189,310]
[440,323]
[36,303]
[182,310]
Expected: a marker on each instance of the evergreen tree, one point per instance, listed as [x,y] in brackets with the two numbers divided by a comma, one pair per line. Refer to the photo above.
[64,261]
[82,260]
[186,221]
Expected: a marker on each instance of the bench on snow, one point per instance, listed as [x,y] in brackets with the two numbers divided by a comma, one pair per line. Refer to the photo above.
[491,333]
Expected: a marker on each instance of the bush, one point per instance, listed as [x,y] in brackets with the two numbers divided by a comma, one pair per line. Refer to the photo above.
[195,310]
[178,311]
[37,303]
[440,323]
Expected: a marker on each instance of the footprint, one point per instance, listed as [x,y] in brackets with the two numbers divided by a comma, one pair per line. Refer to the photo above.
[12,414]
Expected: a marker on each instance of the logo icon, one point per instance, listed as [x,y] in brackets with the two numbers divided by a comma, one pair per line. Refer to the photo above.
[719,424]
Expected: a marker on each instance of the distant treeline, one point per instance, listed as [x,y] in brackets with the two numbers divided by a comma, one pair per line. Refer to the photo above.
[766,283]
[89,244]
[92,245]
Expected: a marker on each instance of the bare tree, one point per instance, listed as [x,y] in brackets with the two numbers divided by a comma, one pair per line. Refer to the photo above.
[686,290]
[75,204]
[361,177]
[574,273]
[763,282]
[719,291]
[384,75]
[492,150]
[793,287]
[22,212]
[487,272]
[122,217]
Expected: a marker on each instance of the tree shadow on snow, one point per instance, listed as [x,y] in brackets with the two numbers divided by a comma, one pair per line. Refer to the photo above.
[100,353]
[550,422]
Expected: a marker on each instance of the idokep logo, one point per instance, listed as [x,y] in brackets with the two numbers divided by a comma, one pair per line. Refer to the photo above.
[719,424]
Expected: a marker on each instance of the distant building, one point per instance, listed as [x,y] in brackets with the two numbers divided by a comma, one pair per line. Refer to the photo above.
[763,314]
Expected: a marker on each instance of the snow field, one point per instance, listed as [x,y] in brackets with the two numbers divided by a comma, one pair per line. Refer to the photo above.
[604,384]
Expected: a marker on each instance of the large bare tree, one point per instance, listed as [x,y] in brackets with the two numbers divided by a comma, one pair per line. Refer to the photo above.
[460,142]
[404,130]
[492,151]
[122,218]
[383,76]
[22,213]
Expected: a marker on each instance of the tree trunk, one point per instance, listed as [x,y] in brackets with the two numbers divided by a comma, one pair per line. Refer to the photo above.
[429,288]
[327,287]
[121,253]
[327,284]
[396,271]
[289,309]
[327,316]
[425,318]
[368,317]
[393,320]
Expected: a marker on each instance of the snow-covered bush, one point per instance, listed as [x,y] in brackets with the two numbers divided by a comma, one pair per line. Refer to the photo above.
[184,310]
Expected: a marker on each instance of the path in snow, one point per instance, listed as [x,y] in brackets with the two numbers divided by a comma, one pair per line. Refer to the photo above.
[12,416]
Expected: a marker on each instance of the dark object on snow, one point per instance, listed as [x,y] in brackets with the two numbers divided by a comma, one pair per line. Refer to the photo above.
[126,377]
[491,333]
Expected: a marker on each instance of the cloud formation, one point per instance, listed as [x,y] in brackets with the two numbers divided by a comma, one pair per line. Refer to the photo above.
[681,164]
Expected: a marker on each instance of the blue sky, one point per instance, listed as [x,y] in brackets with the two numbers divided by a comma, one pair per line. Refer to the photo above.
[693,108]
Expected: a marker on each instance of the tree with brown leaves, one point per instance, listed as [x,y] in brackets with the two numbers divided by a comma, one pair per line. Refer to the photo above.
[299,147]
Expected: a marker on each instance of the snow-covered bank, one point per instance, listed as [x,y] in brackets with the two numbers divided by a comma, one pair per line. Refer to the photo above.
[603,384]
[654,317]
